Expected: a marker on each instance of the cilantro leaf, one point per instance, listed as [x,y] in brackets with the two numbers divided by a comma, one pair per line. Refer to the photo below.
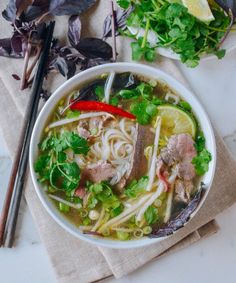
[78,144]
[124,3]
[99,91]
[103,193]
[200,142]
[201,162]
[136,187]
[144,111]
[176,29]
[151,215]
[72,113]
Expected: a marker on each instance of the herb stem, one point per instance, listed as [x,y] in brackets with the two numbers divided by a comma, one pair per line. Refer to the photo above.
[64,174]
[146,33]
[228,29]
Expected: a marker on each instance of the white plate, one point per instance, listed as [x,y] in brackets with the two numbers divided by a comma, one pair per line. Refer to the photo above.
[79,79]
[229,44]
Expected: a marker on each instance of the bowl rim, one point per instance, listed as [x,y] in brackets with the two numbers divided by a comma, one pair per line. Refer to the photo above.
[50,104]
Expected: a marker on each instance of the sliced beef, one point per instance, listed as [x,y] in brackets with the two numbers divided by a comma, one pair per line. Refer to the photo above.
[98,172]
[80,192]
[180,150]
[83,133]
[186,170]
[119,187]
[183,190]
[139,164]
[92,128]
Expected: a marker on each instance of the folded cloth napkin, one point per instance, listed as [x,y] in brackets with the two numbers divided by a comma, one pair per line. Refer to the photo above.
[84,262]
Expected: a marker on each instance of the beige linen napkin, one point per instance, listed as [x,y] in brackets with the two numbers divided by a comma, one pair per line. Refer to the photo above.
[86,263]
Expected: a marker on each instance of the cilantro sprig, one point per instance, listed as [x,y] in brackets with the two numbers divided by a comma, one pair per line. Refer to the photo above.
[136,187]
[102,194]
[151,215]
[176,29]
[144,106]
[54,166]
[203,158]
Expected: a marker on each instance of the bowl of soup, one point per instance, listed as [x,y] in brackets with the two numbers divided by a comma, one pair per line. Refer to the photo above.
[122,155]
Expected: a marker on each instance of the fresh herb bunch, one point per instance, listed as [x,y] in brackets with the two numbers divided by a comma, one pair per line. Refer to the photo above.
[145,105]
[102,194]
[54,167]
[176,29]
[28,21]
[136,187]
[203,158]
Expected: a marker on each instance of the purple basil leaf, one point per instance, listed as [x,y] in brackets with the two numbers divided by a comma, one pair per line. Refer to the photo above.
[60,64]
[178,222]
[69,7]
[71,65]
[16,44]
[11,10]
[37,9]
[92,48]
[120,21]
[74,30]
[11,48]
[227,5]
[89,63]
[16,77]
[45,94]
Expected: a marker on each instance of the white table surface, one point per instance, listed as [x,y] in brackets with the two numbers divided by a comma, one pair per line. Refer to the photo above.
[210,260]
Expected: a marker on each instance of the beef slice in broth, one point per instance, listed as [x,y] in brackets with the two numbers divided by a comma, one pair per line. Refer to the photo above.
[139,164]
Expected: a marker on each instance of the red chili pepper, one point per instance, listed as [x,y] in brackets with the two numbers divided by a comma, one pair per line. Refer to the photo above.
[100,106]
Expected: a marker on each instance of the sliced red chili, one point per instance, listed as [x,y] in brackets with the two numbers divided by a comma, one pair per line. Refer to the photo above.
[100,106]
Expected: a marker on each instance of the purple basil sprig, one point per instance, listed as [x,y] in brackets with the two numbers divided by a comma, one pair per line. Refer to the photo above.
[26,19]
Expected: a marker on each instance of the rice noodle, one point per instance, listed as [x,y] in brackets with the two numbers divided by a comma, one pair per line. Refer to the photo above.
[125,215]
[108,86]
[152,198]
[80,117]
[99,221]
[73,205]
[150,201]
[122,124]
[152,170]
[170,197]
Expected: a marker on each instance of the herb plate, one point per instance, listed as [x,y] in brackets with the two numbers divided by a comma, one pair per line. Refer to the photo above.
[70,85]
[229,44]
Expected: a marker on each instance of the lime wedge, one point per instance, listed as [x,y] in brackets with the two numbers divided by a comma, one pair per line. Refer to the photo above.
[199,9]
[175,121]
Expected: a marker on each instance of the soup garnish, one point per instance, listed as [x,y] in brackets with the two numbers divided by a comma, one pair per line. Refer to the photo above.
[122,156]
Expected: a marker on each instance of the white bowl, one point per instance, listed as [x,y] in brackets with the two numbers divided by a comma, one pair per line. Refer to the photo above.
[88,75]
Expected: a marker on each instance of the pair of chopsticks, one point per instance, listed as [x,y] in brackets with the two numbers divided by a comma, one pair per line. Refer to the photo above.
[9,215]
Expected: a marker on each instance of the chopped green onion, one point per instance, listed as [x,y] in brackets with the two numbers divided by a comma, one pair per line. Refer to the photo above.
[157,203]
[138,233]
[122,235]
[83,213]
[147,230]
[106,232]
[51,190]
[86,221]
[63,207]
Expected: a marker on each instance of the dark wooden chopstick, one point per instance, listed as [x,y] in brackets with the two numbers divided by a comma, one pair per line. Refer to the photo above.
[15,188]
